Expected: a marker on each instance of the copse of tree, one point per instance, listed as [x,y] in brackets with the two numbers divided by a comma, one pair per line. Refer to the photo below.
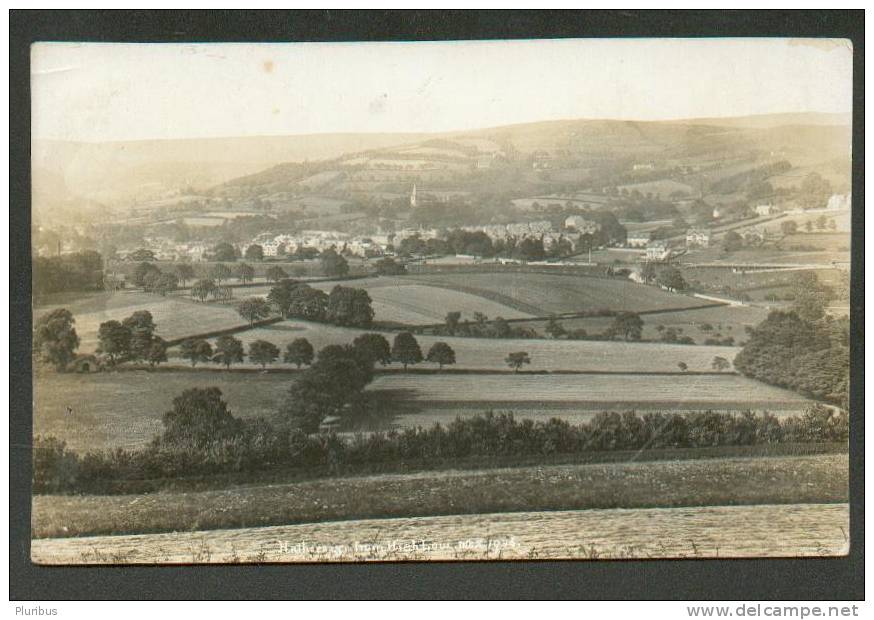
[629,325]
[82,271]
[245,273]
[255,252]
[228,350]
[294,299]
[672,279]
[275,274]
[263,352]
[390,267]
[406,349]
[373,348]
[143,272]
[814,191]
[441,353]
[683,366]
[810,296]
[157,351]
[254,309]
[732,241]
[142,328]
[224,252]
[789,227]
[185,272]
[196,350]
[203,289]
[333,265]
[349,307]
[114,341]
[452,319]
[333,385]
[220,272]
[299,352]
[199,417]
[517,360]
[810,357]
[165,283]
[54,338]
[720,363]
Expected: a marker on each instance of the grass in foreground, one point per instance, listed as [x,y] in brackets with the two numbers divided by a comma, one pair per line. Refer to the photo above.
[707,482]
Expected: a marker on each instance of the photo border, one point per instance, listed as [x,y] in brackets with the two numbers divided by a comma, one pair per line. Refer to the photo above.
[698,579]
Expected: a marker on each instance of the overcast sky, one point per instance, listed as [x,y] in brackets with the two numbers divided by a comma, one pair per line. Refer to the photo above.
[98,92]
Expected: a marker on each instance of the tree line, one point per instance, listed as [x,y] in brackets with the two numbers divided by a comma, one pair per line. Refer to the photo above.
[201,436]
[81,271]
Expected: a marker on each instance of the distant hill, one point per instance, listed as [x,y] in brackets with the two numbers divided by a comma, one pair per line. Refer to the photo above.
[144,170]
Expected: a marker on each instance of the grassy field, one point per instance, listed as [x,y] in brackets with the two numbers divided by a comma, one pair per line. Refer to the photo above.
[725,320]
[544,294]
[175,317]
[698,482]
[125,408]
[489,353]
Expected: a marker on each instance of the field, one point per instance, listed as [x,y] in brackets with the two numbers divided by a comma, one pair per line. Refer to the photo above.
[125,408]
[544,294]
[546,355]
[643,484]
[726,321]
[175,317]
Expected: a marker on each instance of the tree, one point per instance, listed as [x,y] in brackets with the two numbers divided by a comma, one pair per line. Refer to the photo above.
[142,271]
[220,272]
[814,191]
[196,350]
[142,328]
[390,267]
[808,225]
[500,327]
[349,307]
[683,366]
[185,272]
[333,265]
[224,252]
[627,324]
[480,318]
[672,279]
[263,352]
[452,320]
[54,338]
[299,352]
[554,328]
[373,348]
[720,363]
[165,283]
[203,288]
[441,353]
[114,341]
[648,272]
[331,386]
[789,227]
[255,252]
[406,349]
[275,274]
[199,417]
[732,242]
[517,360]
[228,350]
[151,280]
[157,351]
[254,309]
[245,273]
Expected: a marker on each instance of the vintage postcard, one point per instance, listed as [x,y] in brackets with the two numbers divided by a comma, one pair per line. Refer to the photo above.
[479,300]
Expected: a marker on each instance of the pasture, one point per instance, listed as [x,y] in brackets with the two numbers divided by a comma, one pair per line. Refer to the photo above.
[489,353]
[175,316]
[124,408]
[644,484]
[543,294]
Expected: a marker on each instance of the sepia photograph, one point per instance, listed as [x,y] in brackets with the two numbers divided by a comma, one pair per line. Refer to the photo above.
[533,299]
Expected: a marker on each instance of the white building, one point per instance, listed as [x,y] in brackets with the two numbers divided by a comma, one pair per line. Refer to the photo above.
[698,237]
[582,225]
[657,251]
[638,239]
[839,202]
[765,210]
